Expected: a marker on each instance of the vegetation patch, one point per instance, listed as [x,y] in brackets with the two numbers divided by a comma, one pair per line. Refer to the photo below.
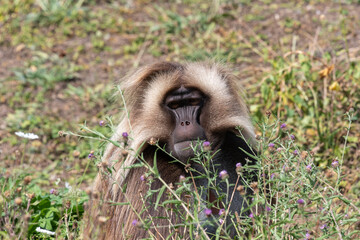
[298,63]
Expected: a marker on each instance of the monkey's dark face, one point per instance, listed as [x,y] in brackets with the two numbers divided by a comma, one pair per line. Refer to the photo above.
[184,105]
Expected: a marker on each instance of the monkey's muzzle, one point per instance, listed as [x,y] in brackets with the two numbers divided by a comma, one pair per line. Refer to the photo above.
[185,150]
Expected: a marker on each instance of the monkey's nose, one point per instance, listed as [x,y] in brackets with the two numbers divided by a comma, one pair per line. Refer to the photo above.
[183,123]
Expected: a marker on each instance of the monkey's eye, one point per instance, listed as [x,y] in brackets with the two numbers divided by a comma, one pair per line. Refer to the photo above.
[194,101]
[173,105]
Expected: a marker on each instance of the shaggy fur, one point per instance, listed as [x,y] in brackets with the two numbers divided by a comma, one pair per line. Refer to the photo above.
[144,93]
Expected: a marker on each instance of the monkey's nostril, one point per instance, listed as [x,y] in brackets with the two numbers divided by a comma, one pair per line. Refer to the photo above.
[187,123]
[182,123]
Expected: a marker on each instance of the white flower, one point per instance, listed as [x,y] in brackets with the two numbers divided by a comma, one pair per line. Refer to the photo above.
[27,135]
[40,230]
[67,185]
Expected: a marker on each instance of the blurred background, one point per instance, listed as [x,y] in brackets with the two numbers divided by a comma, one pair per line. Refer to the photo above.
[60,60]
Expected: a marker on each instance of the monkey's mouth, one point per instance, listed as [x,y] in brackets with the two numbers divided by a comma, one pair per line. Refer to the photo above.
[185,149]
[183,146]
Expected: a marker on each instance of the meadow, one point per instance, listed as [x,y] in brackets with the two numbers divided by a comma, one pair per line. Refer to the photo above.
[298,62]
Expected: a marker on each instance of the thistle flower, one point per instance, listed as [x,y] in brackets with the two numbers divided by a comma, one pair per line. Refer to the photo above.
[142,178]
[134,222]
[308,168]
[296,152]
[102,123]
[251,215]
[30,136]
[27,180]
[292,136]
[207,211]
[182,178]
[18,200]
[91,155]
[323,226]
[241,189]
[282,126]
[221,211]
[30,195]
[125,135]
[221,221]
[307,236]
[301,201]
[268,209]
[124,153]
[223,174]
[206,146]
[254,187]
[335,163]
[238,167]
[52,191]
[271,145]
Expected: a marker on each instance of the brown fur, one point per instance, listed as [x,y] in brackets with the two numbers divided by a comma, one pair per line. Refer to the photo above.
[144,93]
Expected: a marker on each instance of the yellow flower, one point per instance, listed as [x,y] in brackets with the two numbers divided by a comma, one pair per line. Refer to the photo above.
[335,86]
[326,71]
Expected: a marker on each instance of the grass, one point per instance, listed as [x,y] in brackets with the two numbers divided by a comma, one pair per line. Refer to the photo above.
[299,65]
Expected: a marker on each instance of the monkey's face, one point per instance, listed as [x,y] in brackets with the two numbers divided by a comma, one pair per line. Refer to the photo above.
[185,105]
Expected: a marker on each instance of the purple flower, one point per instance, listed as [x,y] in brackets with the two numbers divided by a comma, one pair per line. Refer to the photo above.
[323,226]
[182,178]
[221,221]
[207,211]
[335,163]
[91,155]
[102,123]
[142,178]
[301,201]
[238,167]
[271,145]
[52,191]
[221,211]
[268,208]
[292,136]
[206,144]
[296,152]
[125,134]
[272,176]
[308,168]
[223,174]
[307,236]
[251,215]
[134,222]
[282,126]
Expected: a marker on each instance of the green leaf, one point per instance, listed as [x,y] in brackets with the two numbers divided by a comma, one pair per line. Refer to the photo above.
[159,196]
[171,202]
